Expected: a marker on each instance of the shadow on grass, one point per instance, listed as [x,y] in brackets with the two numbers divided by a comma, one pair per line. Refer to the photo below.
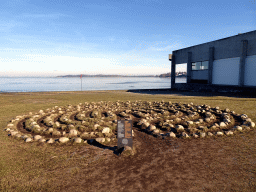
[115,150]
[193,93]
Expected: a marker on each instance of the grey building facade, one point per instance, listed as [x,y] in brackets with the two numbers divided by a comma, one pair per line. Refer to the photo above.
[228,63]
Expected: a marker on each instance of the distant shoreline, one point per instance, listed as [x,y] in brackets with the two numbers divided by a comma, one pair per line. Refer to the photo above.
[119,76]
[177,76]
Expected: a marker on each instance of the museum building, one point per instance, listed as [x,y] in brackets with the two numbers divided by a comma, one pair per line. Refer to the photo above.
[227,64]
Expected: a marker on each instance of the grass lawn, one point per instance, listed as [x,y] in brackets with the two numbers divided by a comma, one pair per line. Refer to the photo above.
[34,167]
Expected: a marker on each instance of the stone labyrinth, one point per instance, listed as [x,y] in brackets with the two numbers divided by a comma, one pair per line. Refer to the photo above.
[98,121]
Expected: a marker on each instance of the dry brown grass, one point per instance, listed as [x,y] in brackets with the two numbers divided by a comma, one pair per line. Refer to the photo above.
[34,167]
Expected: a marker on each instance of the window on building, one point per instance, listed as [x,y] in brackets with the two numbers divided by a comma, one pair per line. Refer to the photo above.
[202,65]
[205,65]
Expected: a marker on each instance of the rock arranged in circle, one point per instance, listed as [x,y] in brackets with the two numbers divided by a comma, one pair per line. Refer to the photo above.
[89,121]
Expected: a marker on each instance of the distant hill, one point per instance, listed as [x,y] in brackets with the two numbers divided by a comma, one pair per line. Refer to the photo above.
[165,75]
[178,74]
[100,75]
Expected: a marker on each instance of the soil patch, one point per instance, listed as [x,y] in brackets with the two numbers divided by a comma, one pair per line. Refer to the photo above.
[164,165]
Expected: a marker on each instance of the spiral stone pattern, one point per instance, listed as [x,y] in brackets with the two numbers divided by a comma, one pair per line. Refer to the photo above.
[98,121]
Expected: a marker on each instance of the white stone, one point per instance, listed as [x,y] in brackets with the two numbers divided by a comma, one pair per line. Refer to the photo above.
[28,140]
[222,124]
[151,127]
[238,128]
[127,148]
[108,139]
[248,120]
[156,131]
[50,130]
[170,125]
[73,132]
[100,139]
[96,126]
[14,133]
[18,135]
[106,130]
[229,132]
[57,124]
[209,134]
[180,128]
[10,125]
[24,136]
[212,117]
[42,140]
[51,140]
[145,125]
[85,134]
[217,125]
[63,139]
[184,135]
[227,121]
[71,126]
[7,129]
[252,124]
[56,133]
[36,126]
[37,137]
[202,134]
[77,140]
[244,116]
[195,135]
[219,133]
[201,120]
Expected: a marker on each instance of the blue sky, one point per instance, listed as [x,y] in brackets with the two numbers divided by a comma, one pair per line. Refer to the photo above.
[131,37]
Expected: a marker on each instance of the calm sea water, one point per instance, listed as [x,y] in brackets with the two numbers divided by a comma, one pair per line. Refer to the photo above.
[39,84]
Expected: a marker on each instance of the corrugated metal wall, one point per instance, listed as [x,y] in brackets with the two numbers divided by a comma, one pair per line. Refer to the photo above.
[226,71]
[250,71]
[203,74]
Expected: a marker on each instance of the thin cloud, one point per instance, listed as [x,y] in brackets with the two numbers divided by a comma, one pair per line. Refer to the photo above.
[49,16]
[6,26]
[169,47]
